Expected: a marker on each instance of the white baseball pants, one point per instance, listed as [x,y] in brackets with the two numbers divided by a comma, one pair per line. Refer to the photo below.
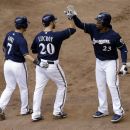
[15,73]
[106,75]
[56,74]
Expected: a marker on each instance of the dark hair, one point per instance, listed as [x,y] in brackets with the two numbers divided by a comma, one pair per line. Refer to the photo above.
[47,19]
[104,18]
[21,22]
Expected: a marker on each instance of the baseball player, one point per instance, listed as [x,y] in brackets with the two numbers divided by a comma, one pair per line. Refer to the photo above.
[47,45]
[15,71]
[105,42]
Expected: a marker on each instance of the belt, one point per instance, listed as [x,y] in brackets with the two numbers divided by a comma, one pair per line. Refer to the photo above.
[50,62]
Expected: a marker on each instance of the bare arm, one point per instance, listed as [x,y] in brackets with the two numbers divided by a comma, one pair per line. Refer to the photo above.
[28,57]
[35,61]
[71,24]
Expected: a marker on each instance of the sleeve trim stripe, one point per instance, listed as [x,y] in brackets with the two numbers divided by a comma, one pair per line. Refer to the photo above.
[69,31]
[84,26]
[121,46]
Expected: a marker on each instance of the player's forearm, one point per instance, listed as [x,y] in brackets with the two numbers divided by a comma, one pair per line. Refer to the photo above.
[124,57]
[72,24]
[78,23]
[124,54]
[28,57]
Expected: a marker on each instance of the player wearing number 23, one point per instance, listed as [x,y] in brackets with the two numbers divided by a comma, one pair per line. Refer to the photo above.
[105,42]
[47,45]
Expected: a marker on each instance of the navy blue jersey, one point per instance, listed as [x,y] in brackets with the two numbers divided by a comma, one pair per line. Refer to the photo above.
[47,44]
[105,43]
[15,47]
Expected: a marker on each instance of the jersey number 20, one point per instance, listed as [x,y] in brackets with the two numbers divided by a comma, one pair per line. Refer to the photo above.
[50,49]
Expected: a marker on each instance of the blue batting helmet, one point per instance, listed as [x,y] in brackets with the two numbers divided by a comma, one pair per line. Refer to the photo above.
[47,19]
[21,22]
[104,18]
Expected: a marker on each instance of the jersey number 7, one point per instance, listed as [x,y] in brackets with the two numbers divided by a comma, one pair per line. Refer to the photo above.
[10,47]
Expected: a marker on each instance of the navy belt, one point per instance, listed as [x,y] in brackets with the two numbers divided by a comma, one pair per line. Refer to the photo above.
[50,62]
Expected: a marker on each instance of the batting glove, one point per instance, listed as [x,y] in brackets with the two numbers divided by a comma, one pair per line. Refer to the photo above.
[123,70]
[70,12]
[42,64]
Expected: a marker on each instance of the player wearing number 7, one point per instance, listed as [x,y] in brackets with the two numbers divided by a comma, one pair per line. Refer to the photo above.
[15,70]
[47,45]
[105,42]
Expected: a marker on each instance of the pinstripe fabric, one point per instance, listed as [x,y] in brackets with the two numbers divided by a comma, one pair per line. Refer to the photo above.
[65,86]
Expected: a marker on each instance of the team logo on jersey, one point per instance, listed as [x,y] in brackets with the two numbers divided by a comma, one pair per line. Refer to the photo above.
[10,39]
[103,41]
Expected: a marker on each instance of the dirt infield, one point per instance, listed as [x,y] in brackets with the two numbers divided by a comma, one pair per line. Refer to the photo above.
[76,58]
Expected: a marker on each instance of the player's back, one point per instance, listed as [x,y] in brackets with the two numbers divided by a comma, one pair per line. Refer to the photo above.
[15,46]
[48,44]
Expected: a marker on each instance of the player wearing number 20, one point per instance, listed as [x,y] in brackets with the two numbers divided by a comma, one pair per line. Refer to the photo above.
[47,45]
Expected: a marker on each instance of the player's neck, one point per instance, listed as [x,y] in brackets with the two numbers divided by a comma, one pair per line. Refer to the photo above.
[47,29]
[104,30]
[19,30]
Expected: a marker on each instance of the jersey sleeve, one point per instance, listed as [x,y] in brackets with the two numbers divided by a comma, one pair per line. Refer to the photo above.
[122,47]
[66,33]
[87,27]
[23,47]
[119,41]
[4,44]
[34,45]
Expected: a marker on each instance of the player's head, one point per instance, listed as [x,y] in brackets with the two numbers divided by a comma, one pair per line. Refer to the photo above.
[48,19]
[21,22]
[104,18]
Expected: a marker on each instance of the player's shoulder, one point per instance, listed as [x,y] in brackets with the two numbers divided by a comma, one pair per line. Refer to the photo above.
[64,31]
[90,26]
[114,33]
[93,25]
[16,34]
[39,33]
[19,38]
[10,33]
